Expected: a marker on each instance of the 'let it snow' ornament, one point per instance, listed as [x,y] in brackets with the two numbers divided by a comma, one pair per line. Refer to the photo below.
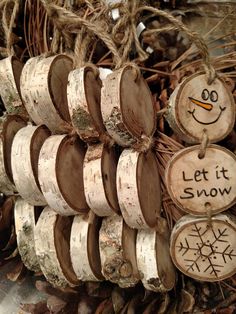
[196,106]
[202,186]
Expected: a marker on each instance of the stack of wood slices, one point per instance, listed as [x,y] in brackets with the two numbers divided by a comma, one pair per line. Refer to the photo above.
[89,174]
[80,156]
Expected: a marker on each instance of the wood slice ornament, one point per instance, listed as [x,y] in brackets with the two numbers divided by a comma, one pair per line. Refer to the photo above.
[117,250]
[138,188]
[100,165]
[196,107]
[52,244]
[127,107]
[205,251]
[9,126]
[202,186]
[24,160]
[26,216]
[153,259]
[10,72]
[43,87]
[84,98]
[84,248]
[61,174]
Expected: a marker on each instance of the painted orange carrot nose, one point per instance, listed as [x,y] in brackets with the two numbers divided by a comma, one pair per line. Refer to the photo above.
[204,105]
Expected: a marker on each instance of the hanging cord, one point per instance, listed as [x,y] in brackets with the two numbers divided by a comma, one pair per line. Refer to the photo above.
[8,25]
[64,19]
[203,145]
[194,37]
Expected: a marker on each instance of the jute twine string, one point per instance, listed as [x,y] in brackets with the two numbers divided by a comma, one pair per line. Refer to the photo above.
[63,18]
[194,37]
[9,24]
[203,145]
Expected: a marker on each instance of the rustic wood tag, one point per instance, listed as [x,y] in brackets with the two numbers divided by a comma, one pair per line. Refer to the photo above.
[196,106]
[201,186]
[84,93]
[205,252]
[99,173]
[25,220]
[84,248]
[127,106]
[43,87]
[117,250]
[137,177]
[153,258]
[10,72]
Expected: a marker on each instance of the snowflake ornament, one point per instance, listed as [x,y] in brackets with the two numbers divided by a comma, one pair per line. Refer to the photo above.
[205,251]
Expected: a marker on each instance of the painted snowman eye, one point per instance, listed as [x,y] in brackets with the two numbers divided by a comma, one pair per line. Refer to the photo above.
[213,96]
[205,94]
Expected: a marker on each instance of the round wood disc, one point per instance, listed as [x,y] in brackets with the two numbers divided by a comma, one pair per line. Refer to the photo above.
[25,220]
[100,179]
[202,251]
[84,98]
[43,87]
[24,160]
[199,186]
[61,174]
[154,262]
[196,106]
[84,248]
[116,245]
[127,107]
[9,126]
[52,245]
[137,177]
[10,71]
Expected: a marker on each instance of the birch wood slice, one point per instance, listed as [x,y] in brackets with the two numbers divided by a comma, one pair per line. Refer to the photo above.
[195,107]
[127,107]
[138,188]
[24,159]
[9,126]
[84,98]
[100,179]
[84,248]
[52,244]
[154,262]
[117,251]
[10,71]
[61,174]
[199,186]
[26,216]
[43,88]
[204,252]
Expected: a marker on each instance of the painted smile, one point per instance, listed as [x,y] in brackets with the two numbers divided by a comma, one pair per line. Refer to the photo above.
[207,123]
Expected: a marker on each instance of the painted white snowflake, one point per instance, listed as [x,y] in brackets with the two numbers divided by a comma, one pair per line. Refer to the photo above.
[206,253]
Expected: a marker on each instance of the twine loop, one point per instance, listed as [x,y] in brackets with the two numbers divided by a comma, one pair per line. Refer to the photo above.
[203,145]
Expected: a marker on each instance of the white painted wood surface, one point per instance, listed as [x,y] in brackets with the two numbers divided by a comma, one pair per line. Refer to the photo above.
[25,221]
[23,169]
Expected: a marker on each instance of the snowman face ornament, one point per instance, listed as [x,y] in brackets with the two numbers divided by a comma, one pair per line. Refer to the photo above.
[195,107]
